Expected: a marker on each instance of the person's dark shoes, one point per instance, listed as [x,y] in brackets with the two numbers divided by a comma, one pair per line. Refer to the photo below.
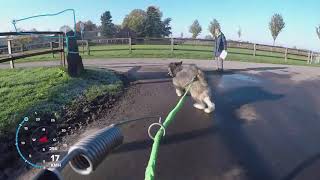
[220,70]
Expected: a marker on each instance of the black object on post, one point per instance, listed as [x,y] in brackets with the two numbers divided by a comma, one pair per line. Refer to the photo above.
[74,60]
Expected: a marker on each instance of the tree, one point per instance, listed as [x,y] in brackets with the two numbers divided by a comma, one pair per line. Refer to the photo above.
[209,37]
[135,21]
[90,26]
[20,30]
[78,26]
[153,23]
[166,28]
[125,32]
[107,27]
[22,40]
[65,28]
[318,31]
[147,23]
[87,26]
[195,29]
[239,32]
[117,29]
[154,26]
[214,24]
[33,30]
[276,25]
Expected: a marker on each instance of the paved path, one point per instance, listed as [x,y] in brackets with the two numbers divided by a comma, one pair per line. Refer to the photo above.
[296,73]
[266,124]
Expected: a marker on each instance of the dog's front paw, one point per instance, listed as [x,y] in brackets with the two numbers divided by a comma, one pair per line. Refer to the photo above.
[179,92]
[208,110]
[199,106]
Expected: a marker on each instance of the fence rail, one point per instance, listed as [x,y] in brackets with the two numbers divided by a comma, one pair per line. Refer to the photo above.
[17,49]
[14,50]
[175,43]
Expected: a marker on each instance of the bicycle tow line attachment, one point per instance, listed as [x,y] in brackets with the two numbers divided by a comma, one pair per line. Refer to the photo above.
[150,169]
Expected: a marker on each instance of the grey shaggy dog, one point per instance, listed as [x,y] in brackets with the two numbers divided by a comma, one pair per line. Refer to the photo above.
[199,90]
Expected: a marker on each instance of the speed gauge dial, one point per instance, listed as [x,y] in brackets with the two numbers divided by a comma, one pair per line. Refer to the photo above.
[38,142]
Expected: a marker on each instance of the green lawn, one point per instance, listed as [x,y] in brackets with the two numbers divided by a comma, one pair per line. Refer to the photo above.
[46,90]
[180,51]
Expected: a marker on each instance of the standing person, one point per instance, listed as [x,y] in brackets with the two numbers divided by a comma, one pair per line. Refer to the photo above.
[221,44]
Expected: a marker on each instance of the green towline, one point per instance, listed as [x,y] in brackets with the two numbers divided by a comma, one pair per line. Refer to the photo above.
[150,169]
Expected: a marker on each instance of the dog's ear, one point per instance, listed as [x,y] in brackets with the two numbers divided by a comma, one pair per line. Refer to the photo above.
[178,63]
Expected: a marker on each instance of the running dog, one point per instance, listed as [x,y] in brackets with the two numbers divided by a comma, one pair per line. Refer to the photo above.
[185,75]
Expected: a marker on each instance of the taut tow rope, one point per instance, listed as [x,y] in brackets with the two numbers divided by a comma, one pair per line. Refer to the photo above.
[150,169]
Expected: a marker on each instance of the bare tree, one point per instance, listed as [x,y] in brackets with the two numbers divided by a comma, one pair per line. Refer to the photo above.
[276,25]
[65,28]
[318,31]
[33,30]
[22,40]
[239,32]
[90,26]
[214,24]
[195,29]
[209,37]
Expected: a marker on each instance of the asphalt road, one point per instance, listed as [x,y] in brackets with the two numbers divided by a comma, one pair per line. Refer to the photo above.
[265,126]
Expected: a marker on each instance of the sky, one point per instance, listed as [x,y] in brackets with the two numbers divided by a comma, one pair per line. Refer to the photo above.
[252,16]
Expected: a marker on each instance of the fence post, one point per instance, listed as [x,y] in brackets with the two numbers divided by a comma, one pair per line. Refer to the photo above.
[61,49]
[130,45]
[10,53]
[82,43]
[311,57]
[63,52]
[51,47]
[254,49]
[88,47]
[286,55]
[308,57]
[172,45]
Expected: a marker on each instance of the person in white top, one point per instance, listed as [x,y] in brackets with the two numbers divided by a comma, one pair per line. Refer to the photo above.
[220,51]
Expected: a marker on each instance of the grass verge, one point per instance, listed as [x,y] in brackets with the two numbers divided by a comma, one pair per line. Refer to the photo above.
[48,90]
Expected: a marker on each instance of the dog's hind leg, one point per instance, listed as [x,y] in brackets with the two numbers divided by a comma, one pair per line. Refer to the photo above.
[211,105]
[199,104]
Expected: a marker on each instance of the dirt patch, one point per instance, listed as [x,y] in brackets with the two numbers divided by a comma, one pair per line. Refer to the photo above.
[78,115]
